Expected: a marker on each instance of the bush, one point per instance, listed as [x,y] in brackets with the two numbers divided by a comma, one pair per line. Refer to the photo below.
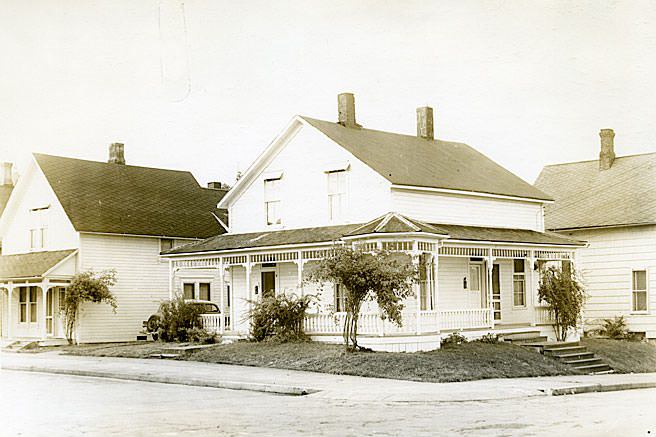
[180,321]
[614,328]
[279,318]
[489,338]
[564,294]
[454,339]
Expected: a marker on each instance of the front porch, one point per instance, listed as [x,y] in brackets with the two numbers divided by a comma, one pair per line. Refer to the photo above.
[474,287]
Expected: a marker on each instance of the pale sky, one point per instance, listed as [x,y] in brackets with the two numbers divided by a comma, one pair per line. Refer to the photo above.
[206,86]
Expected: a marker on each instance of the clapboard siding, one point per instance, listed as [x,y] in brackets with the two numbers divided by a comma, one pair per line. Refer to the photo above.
[606,267]
[451,292]
[142,284]
[304,190]
[467,210]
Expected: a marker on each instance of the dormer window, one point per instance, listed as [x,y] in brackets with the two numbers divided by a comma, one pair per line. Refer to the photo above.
[336,194]
[272,199]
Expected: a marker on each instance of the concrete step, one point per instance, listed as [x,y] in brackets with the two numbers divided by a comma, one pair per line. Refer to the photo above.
[561,345]
[583,362]
[565,350]
[514,336]
[595,368]
[528,341]
[573,356]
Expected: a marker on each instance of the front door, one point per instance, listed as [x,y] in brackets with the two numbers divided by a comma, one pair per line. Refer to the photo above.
[268,284]
[50,312]
[496,292]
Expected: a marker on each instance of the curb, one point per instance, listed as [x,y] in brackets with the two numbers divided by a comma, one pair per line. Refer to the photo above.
[599,388]
[196,382]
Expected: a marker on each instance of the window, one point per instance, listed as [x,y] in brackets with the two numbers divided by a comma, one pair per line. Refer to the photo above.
[196,290]
[27,304]
[426,282]
[519,283]
[272,201]
[37,238]
[165,244]
[639,294]
[340,298]
[475,277]
[38,228]
[336,194]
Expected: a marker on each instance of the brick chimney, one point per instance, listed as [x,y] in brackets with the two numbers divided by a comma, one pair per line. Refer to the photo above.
[7,173]
[218,186]
[116,154]
[425,123]
[346,109]
[607,153]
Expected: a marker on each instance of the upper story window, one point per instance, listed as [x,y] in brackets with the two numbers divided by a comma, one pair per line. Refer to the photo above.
[272,200]
[639,293]
[337,184]
[38,227]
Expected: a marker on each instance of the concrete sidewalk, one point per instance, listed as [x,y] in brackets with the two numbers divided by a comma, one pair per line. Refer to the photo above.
[320,385]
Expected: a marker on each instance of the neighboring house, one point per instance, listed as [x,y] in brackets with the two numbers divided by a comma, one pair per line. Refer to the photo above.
[611,203]
[69,215]
[6,187]
[475,229]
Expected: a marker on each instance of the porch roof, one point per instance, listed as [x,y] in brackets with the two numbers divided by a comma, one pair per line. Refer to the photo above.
[254,240]
[31,265]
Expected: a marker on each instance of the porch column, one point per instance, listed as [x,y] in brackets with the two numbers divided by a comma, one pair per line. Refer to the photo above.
[532,286]
[44,309]
[221,295]
[171,273]
[299,266]
[10,310]
[490,268]
[248,282]
[415,261]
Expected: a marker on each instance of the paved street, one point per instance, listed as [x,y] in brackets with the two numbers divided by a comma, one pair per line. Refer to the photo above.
[43,404]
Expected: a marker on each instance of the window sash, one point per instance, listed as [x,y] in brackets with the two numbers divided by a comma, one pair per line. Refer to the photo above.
[273,212]
[639,290]
[519,283]
[340,299]
[204,291]
[271,190]
[475,277]
[188,290]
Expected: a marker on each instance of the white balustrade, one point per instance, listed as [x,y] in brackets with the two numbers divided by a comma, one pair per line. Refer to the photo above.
[212,323]
[465,319]
[543,315]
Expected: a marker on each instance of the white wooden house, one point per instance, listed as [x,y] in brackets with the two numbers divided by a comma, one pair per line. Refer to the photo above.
[476,229]
[611,203]
[69,215]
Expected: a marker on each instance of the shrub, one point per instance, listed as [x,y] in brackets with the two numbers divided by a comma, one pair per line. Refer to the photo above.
[180,321]
[564,295]
[614,328]
[453,339]
[279,318]
[489,338]
[86,287]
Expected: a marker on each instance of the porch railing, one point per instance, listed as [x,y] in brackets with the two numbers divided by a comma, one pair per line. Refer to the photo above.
[213,323]
[465,319]
[543,315]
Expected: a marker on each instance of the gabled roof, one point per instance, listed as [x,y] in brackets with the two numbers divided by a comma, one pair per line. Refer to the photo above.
[5,192]
[326,234]
[393,223]
[31,265]
[625,194]
[413,161]
[126,199]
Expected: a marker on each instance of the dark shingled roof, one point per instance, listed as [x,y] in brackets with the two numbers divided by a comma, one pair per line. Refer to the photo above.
[625,194]
[30,265]
[265,239]
[5,192]
[504,235]
[394,223]
[126,199]
[333,233]
[410,160]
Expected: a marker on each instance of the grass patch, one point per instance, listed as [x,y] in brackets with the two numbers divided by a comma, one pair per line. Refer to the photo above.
[466,362]
[122,350]
[622,355]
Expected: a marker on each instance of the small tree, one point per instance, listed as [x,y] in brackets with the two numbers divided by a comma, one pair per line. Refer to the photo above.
[382,276]
[87,287]
[564,294]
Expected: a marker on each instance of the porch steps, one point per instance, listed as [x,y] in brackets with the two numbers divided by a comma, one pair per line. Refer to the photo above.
[573,354]
[20,345]
[524,337]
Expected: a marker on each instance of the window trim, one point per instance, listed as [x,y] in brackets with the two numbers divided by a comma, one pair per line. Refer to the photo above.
[646,290]
[336,299]
[342,195]
[276,199]
[515,276]
[29,305]
[195,282]
[481,278]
